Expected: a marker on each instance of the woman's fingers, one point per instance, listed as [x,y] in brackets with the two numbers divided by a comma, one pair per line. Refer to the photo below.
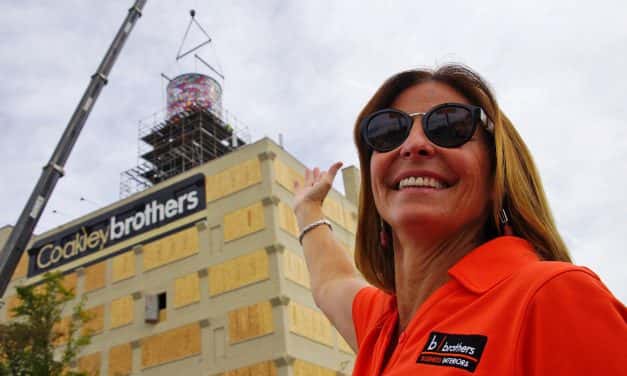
[317,183]
[335,167]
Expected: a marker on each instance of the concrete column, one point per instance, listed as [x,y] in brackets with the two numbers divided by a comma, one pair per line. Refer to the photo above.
[351,177]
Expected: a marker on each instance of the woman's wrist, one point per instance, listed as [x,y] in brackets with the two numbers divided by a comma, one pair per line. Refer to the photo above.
[307,213]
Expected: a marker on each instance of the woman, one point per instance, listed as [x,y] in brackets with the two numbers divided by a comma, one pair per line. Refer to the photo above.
[465,270]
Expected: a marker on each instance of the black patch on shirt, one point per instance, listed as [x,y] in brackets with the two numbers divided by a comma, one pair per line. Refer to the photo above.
[453,350]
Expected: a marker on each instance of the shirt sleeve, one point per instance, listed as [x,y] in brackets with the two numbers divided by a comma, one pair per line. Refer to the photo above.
[369,305]
[574,326]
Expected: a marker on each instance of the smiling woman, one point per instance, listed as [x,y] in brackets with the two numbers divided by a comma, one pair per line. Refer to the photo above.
[465,269]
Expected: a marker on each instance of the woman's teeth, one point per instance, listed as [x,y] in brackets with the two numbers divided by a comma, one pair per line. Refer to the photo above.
[420,181]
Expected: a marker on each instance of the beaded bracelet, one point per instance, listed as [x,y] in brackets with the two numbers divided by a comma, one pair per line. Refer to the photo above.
[311,226]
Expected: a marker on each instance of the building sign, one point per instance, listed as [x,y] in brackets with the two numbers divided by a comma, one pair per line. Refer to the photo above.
[155,210]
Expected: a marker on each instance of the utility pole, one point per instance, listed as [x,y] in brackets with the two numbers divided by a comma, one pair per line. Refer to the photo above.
[21,234]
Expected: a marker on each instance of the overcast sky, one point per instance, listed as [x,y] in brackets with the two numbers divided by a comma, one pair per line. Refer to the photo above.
[304,69]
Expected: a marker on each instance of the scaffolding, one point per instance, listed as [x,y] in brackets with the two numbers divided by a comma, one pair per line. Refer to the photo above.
[184,141]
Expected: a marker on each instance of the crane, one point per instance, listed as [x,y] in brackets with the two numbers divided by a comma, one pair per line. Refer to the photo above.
[53,170]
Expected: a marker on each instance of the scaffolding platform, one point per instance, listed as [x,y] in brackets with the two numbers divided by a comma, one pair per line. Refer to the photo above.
[182,142]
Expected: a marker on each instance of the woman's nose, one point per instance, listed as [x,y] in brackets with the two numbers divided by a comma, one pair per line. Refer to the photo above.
[417,143]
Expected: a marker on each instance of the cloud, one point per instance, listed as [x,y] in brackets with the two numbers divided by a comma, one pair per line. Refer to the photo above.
[305,70]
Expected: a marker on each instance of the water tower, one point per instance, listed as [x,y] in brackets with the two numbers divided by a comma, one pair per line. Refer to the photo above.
[194,130]
[191,91]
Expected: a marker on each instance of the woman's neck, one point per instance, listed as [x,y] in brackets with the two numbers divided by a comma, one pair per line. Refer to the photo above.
[421,267]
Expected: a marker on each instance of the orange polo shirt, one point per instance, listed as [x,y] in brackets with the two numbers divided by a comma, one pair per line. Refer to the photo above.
[502,312]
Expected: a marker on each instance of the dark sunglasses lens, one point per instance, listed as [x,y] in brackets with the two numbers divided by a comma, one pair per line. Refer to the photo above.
[387,130]
[449,126]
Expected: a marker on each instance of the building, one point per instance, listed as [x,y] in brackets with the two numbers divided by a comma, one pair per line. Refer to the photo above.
[201,273]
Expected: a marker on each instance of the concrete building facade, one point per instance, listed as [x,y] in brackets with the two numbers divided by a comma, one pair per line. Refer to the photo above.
[201,274]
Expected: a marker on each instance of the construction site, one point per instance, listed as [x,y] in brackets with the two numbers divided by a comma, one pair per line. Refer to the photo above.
[198,270]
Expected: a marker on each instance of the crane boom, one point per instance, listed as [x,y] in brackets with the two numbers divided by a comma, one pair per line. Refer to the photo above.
[21,234]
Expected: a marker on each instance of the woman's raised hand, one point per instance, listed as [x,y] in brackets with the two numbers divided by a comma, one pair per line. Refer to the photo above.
[308,197]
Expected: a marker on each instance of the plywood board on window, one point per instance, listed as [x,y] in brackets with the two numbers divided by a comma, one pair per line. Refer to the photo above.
[333,210]
[121,360]
[286,176]
[22,267]
[96,323]
[303,368]
[61,330]
[69,281]
[296,269]
[350,220]
[90,364]
[243,222]
[122,311]
[310,323]
[266,368]
[95,276]
[238,272]
[170,248]
[12,302]
[287,219]
[186,290]
[171,345]
[250,322]
[123,266]
[233,179]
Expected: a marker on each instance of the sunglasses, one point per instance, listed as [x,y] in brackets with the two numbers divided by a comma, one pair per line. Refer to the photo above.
[448,125]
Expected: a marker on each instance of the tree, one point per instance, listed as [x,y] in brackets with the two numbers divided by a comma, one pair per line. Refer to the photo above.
[28,342]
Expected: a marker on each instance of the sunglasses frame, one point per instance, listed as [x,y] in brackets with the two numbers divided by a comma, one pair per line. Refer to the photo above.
[477,113]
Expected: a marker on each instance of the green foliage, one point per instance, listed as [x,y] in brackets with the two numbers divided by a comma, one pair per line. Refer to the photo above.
[28,342]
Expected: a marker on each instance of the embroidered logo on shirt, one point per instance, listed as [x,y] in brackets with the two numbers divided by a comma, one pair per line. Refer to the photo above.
[453,350]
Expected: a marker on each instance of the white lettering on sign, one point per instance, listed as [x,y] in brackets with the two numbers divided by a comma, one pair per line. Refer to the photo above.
[153,213]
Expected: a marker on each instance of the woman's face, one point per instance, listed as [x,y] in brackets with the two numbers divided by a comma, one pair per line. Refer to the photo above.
[456,182]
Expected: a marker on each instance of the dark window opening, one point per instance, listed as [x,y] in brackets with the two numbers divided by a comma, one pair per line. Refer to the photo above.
[162,301]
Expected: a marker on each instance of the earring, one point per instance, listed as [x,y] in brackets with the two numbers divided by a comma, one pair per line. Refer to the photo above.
[383,235]
[506,228]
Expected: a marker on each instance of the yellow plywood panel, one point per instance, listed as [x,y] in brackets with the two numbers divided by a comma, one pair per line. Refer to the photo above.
[296,269]
[243,222]
[333,210]
[96,323]
[61,329]
[266,368]
[171,345]
[303,368]
[238,272]
[170,248]
[12,302]
[121,360]
[233,179]
[343,345]
[350,220]
[69,281]
[309,323]
[95,276]
[286,176]
[122,311]
[90,364]
[123,266]
[186,290]
[249,322]
[287,219]
[163,315]
[22,267]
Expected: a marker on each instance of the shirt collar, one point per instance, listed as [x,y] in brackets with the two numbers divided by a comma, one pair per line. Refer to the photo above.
[492,262]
